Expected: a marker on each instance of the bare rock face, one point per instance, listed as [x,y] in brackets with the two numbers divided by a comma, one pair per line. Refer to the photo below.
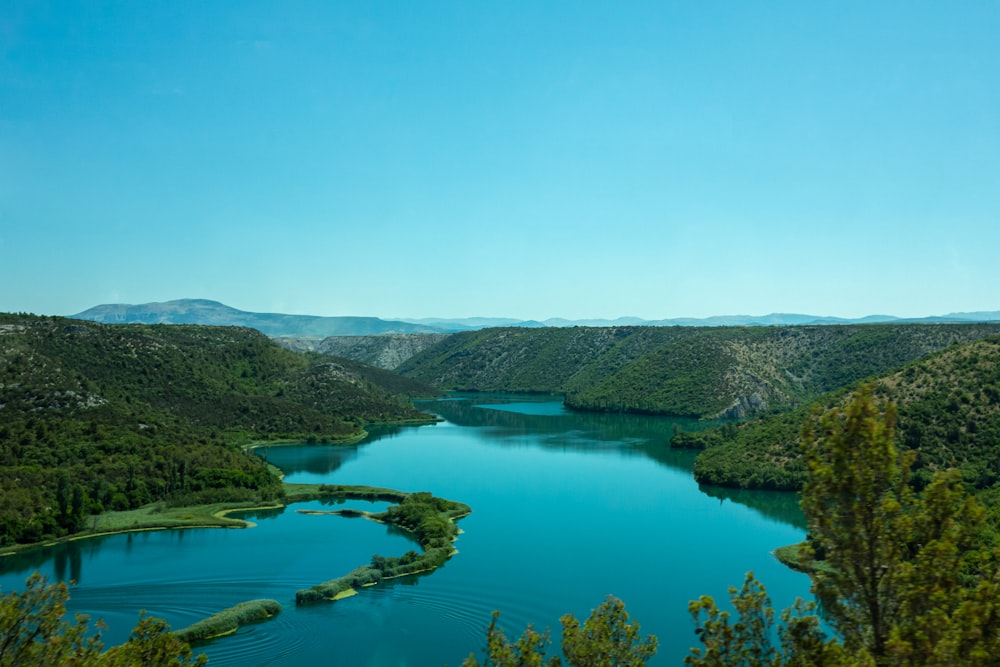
[386,351]
[744,407]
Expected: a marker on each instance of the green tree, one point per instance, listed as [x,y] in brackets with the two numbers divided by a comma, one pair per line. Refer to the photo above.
[34,631]
[856,499]
[63,497]
[527,651]
[893,560]
[607,638]
[747,639]
[905,578]
[151,643]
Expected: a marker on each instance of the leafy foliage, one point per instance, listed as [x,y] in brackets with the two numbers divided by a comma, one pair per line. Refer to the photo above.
[151,643]
[905,578]
[949,414]
[895,560]
[761,454]
[748,639]
[608,638]
[229,620]
[429,518]
[34,631]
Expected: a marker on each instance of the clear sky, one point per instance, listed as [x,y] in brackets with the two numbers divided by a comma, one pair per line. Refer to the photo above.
[519,159]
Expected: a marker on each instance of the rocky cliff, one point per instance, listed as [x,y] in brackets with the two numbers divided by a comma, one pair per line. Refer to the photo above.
[386,351]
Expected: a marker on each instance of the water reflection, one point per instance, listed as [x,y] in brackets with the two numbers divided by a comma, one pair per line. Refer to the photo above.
[67,559]
[316,459]
[259,515]
[781,506]
[67,563]
[544,420]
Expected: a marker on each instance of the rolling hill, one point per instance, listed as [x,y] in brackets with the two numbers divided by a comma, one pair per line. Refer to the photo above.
[96,417]
[706,372]
[202,311]
[948,411]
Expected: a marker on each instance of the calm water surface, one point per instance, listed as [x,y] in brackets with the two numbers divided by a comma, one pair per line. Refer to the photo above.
[567,509]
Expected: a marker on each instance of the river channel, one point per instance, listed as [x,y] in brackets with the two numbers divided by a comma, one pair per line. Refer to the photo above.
[567,509]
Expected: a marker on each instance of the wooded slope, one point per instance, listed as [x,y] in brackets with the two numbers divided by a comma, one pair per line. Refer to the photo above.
[681,371]
[949,412]
[96,417]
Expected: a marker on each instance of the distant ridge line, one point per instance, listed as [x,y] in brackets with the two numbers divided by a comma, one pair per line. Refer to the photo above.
[206,311]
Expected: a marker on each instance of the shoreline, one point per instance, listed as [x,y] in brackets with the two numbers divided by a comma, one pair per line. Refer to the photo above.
[193,517]
[349,440]
[160,516]
[157,516]
[198,518]
[419,507]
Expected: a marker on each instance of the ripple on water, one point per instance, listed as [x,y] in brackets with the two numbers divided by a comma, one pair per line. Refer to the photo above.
[604,513]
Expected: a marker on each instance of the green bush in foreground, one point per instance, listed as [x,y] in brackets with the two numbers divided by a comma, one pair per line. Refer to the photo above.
[34,631]
[607,638]
[907,579]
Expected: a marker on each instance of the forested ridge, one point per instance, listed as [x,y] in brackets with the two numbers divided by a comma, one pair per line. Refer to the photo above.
[681,371]
[949,413]
[98,417]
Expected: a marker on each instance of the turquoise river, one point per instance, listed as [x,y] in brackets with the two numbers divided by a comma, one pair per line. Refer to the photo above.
[567,509]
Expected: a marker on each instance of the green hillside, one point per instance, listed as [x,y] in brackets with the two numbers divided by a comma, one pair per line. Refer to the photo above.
[949,412]
[681,371]
[98,417]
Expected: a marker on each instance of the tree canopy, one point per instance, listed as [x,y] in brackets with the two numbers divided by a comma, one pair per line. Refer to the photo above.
[904,578]
[34,631]
[607,638]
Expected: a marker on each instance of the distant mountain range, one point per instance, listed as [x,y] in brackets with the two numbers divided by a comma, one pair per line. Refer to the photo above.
[202,311]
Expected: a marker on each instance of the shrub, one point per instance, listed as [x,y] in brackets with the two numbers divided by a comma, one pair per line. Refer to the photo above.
[229,620]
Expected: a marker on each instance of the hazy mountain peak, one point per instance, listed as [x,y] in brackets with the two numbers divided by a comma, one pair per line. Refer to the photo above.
[207,311]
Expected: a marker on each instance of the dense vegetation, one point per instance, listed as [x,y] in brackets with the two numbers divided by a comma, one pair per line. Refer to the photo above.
[681,371]
[904,576]
[111,417]
[431,520]
[607,638]
[949,410]
[229,620]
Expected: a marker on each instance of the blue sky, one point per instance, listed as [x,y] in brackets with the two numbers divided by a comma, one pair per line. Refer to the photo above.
[519,159]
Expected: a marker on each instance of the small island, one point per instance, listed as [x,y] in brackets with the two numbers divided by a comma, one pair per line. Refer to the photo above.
[429,519]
